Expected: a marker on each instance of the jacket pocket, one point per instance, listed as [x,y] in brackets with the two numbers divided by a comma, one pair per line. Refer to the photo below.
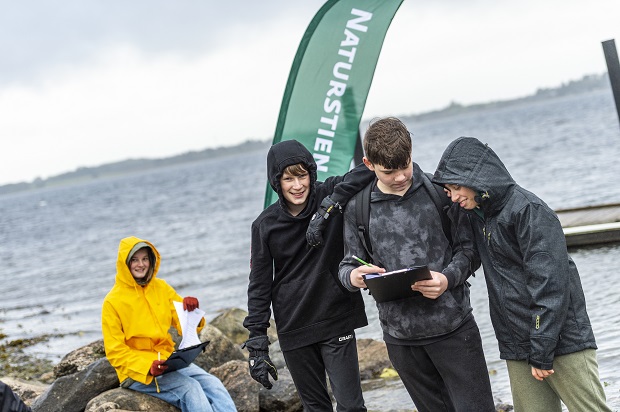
[310,300]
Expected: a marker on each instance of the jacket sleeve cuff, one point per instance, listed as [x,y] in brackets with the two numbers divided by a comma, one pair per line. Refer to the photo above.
[548,365]
[345,279]
[542,353]
[450,277]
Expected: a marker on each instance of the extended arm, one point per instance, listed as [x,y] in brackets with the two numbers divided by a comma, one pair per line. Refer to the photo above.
[546,265]
[465,259]
[342,189]
[259,312]
[259,286]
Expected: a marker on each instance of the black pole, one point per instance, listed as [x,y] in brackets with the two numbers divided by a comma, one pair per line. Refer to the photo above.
[613,69]
[359,150]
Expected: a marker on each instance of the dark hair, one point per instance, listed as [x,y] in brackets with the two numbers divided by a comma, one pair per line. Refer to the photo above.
[387,142]
[296,169]
[151,255]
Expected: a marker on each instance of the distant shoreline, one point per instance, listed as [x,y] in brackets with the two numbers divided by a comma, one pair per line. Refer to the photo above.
[588,83]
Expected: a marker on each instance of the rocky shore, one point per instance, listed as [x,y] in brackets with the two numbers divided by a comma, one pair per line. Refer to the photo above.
[84,380]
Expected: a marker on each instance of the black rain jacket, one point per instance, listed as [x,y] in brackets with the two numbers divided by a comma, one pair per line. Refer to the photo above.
[537,304]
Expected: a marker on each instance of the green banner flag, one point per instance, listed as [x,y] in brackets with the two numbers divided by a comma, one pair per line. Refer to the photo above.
[329,82]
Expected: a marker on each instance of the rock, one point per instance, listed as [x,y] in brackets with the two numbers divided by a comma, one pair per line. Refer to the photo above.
[237,380]
[230,322]
[219,351]
[71,393]
[87,382]
[276,356]
[282,397]
[27,391]
[79,359]
[373,358]
[120,399]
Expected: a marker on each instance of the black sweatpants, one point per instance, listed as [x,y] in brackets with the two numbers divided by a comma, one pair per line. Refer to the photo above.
[9,401]
[447,375]
[338,358]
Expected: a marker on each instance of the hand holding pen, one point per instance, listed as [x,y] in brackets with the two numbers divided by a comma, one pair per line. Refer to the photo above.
[356,275]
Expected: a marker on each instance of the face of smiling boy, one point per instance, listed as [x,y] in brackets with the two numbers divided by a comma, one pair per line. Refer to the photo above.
[295,190]
[139,264]
[462,195]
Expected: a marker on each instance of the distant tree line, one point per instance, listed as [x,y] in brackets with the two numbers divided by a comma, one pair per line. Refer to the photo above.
[82,174]
[587,84]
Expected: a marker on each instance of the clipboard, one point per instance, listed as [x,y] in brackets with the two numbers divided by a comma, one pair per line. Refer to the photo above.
[181,358]
[385,287]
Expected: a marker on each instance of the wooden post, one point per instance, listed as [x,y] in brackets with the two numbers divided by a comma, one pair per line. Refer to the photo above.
[613,69]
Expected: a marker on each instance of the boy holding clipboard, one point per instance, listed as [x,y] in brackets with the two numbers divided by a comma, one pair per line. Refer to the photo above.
[432,338]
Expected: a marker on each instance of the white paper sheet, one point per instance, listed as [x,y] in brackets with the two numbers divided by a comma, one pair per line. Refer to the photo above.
[189,322]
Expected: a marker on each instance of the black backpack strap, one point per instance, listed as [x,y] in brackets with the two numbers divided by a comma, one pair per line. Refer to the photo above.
[442,202]
[362,218]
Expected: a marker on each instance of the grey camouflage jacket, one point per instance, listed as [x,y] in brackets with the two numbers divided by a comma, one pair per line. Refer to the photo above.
[407,231]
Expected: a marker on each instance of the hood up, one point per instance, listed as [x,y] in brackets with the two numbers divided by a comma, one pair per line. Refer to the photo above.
[284,154]
[127,247]
[469,162]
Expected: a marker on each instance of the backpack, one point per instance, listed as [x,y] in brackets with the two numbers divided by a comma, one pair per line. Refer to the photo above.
[362,211]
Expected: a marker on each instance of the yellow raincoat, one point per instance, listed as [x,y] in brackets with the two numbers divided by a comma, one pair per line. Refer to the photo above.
[135,319]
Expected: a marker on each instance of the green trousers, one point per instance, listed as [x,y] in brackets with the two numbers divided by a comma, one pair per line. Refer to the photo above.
[575,382]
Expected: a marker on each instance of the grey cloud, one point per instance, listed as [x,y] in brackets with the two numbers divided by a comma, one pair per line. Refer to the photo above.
[38,34]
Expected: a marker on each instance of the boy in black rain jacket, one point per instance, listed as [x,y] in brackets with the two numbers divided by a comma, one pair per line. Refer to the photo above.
[536,301]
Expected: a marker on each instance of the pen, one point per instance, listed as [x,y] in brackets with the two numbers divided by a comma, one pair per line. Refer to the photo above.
[361,261]
[158,367]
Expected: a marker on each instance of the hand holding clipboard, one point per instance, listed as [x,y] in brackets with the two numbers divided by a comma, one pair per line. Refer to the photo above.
[357,274]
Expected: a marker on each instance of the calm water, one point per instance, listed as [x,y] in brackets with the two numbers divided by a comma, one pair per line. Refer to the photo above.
[58,246]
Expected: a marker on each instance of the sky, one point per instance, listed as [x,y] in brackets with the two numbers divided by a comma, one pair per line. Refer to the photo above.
[89,82]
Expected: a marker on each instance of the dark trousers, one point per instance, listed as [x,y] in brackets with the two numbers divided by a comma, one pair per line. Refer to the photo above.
[448,375]
[338,358]
[9,401]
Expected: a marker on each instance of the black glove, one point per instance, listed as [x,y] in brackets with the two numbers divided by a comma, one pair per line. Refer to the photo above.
[260,364]
[314,234]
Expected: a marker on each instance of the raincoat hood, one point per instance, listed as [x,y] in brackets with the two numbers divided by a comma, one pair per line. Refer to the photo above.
[127,247]
[469,162]
[284,154]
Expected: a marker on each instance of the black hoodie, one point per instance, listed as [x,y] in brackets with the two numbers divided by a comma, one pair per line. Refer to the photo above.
[536,301]
[301,283]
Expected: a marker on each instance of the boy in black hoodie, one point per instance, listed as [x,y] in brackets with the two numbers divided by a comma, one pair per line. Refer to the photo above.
[537,304]
[315,316]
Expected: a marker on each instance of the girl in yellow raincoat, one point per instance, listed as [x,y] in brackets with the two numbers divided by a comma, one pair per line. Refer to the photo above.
[136,316]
